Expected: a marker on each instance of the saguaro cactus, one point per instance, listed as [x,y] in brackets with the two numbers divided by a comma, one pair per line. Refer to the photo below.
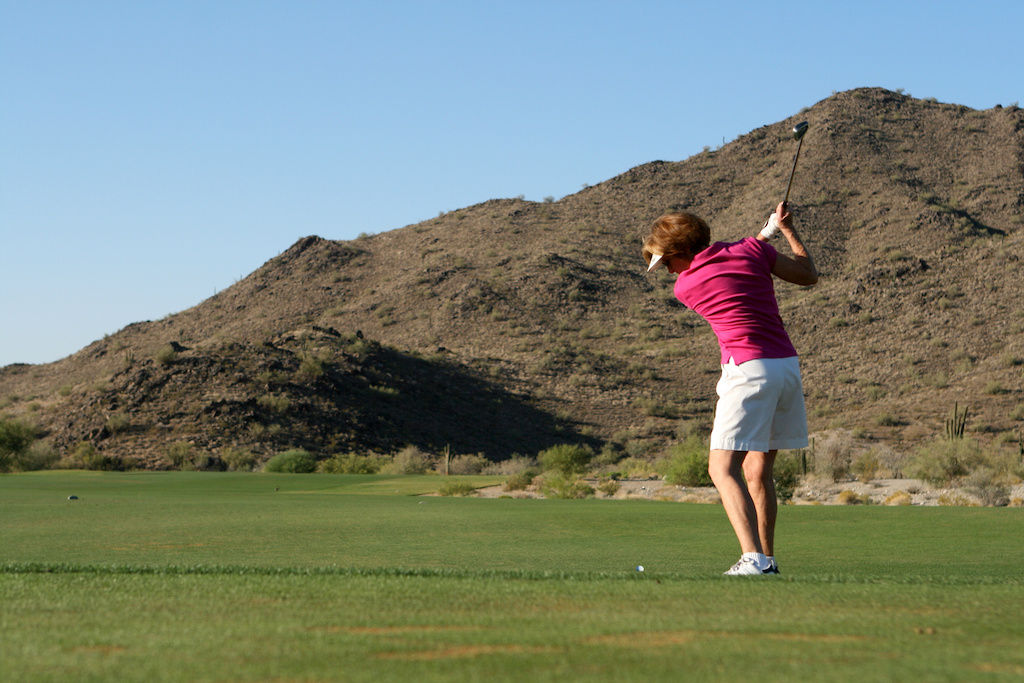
[956,424]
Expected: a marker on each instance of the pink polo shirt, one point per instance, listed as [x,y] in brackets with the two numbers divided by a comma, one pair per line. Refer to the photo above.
[730,286]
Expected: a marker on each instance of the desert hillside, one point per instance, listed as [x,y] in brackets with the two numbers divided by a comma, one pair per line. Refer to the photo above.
[510,326]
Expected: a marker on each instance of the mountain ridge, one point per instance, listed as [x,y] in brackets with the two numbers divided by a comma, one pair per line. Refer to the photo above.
[912,210]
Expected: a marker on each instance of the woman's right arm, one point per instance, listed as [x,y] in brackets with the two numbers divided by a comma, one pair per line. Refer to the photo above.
[798,268]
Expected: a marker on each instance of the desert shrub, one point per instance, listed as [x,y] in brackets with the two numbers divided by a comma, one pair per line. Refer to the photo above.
[117,423]
[955,499]
[15,439]
[788,469]
[165,355]
[609,487]
[351,463]
[637,468]
[310,368]
[77,458]
[655,408]
[519,481]
[516,464]
[467,464]
[832,455]
[941,461]
[687,463]
[994,388]
[295,461]
[847,497]
[186,457]
[559,485]
[866,466]
[456,488]
[180,454]
[409,460]
[890,462]
[898,498]
[988,487]
[566,459]
[39,456]
[610,454]
[643,448]
[238,459]
[274,403]
[105,462]
[87,456]
[887,420]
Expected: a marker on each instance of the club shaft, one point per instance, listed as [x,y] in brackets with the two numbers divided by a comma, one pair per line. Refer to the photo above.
[791,173]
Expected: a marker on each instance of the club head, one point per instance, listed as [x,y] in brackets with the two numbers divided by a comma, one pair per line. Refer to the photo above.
[799,130]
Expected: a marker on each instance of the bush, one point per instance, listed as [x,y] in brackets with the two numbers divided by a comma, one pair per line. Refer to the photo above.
[351,463]
[832,456]
[941,461]
[87,456]
[610,454]
[520,481]
[955,499]
[558,485]
[988,487]
[78,457]
[467,464]
[117,423]
[186,457]
[848,497]
[637,468]
[654,408]
[166,355]
[409,460]
[238,459]
[15,439]
[788,469]
[687,464]
[310,368]
[517,464]
[274,403]
[866,466]
[296,461]
[566,459]
[898,498]
[180,454]
[456,488]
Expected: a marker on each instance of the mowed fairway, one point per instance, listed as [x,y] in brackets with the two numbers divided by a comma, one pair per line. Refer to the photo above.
[248,577]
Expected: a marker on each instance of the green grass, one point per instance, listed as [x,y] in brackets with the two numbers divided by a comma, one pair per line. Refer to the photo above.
[193,576]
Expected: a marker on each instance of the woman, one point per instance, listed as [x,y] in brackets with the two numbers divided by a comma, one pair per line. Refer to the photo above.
[760,407]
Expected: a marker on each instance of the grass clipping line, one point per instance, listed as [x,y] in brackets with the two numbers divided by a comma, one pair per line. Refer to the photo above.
[13,568]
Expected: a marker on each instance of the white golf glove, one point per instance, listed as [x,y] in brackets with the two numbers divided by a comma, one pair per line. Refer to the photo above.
[771,227]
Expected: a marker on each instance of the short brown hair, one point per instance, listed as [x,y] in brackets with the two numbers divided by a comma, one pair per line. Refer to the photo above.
[681,234]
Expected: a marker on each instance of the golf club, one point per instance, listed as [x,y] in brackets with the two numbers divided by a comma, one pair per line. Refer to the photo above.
[798,134]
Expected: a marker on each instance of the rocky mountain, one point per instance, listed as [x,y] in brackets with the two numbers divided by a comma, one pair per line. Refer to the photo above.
[510,325]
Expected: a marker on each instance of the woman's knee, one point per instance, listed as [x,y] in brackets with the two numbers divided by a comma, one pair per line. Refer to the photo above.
[723,465]
[757,468]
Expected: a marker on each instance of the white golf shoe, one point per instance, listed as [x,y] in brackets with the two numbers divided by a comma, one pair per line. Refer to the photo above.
[747,566]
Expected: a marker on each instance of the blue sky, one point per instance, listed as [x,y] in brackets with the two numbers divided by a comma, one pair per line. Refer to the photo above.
[153,152]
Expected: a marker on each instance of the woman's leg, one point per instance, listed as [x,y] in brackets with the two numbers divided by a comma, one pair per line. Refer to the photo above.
[758,469]
[726,470]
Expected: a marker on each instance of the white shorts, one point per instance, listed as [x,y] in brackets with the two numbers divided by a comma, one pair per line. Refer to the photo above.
[760,406]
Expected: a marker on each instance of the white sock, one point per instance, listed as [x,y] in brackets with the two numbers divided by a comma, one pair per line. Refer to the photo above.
[759,559]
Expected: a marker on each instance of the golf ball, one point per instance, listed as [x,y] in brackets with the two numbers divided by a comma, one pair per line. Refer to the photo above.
[639,567]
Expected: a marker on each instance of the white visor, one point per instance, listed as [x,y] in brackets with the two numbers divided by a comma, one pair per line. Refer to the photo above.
[655,260]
